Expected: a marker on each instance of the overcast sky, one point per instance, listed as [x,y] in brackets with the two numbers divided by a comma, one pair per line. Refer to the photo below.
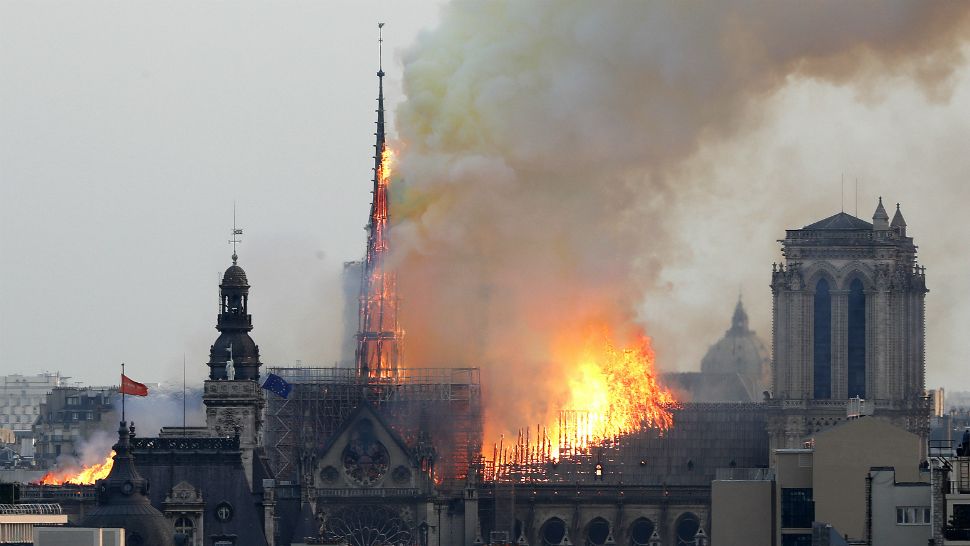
[127,131]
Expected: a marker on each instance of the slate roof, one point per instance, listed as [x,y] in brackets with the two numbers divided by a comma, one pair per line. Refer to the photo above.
[840,221]
[220,477]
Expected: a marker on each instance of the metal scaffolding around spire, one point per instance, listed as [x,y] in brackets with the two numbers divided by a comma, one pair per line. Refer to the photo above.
[379,335]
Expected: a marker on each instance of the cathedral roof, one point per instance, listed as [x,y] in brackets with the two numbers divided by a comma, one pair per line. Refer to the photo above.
[840,221]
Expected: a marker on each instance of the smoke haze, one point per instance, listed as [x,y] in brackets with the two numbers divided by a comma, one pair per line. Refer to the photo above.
[561,165]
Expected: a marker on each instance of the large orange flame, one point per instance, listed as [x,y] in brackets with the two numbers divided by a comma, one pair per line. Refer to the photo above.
[608,392]
[85,476]
[611,390]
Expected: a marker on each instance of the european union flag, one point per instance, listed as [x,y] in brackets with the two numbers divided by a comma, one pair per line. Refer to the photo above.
[277,385]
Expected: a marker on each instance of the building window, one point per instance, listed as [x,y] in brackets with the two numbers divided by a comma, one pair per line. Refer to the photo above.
[823,341]
[223,511]
[857,340]
[552,532]
[912,515]
[797,508]
[640,532]
[686,529]
[801,539]
[598,532]
[183,526]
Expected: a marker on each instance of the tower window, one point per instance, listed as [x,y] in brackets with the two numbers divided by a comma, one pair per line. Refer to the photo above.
[857,340]
[823,341]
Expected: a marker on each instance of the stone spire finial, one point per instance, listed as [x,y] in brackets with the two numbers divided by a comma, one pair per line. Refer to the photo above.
[739,322]
[880,220]
[898,224]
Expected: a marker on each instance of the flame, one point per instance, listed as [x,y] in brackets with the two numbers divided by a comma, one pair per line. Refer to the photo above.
[86,476]
[611,391]
[385,170]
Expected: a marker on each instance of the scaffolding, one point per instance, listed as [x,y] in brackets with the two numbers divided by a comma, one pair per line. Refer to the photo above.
[440,406]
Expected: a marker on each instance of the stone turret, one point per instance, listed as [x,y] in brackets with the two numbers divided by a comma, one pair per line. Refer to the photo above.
[123,500]
[233,398]
[880,220]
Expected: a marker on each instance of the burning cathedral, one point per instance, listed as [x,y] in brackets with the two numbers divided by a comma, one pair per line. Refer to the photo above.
[379,452]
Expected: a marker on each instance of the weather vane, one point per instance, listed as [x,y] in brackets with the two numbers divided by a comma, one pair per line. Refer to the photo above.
[236,232]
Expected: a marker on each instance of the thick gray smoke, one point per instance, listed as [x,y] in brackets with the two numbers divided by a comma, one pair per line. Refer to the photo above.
[545,158]
[163,408]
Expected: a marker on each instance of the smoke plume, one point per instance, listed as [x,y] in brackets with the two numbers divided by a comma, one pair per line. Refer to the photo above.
[544,146]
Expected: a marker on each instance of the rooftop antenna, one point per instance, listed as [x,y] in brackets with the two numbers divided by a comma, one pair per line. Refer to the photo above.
[235,233]
[843,192]
[183,394]
[857,197]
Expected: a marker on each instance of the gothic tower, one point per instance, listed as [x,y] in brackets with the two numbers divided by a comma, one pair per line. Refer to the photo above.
[379,336]
[233,399]
[848,322]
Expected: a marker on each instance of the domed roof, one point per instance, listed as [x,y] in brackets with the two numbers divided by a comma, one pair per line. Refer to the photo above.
[123,500]
[235,276]
[740,351]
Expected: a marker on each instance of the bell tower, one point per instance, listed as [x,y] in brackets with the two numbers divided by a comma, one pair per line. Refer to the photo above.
[233,398]
[848,327]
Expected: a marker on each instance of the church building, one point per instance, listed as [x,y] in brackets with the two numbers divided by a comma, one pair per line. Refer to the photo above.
[848,327]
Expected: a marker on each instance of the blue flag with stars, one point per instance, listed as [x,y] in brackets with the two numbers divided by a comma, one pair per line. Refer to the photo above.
[277,385]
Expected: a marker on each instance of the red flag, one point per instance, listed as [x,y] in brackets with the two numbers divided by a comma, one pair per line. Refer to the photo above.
[134,388]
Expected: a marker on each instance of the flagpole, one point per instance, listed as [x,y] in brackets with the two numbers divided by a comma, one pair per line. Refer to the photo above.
[123,393]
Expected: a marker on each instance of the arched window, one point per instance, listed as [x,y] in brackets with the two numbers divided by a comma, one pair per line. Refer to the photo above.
[183,526]
[857,340]
[686,529]
[597,532]
[552,532]
[822,343]
[640,532]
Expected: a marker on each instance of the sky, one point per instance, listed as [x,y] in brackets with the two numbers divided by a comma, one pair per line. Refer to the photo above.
[128,132]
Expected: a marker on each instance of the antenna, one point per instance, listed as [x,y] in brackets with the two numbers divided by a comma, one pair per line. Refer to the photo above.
[380,46]
[235,232]
[183,394]
[843,192]
[857,197]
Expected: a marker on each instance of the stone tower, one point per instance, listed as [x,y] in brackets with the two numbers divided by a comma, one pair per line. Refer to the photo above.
[233,399]
[848,322]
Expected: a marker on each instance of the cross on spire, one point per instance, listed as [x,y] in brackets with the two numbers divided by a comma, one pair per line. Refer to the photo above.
[380,49]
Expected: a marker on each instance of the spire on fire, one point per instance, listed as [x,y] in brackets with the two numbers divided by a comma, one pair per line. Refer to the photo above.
[378,334]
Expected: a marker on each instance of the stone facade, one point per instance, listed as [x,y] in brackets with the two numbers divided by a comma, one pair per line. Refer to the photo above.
[235,407]
[848,321]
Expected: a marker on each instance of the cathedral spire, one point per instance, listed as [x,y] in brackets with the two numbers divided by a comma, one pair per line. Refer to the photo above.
[378,333]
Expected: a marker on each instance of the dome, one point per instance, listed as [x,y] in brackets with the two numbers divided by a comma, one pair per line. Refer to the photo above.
[740,352]
[123,501]
[235,276]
